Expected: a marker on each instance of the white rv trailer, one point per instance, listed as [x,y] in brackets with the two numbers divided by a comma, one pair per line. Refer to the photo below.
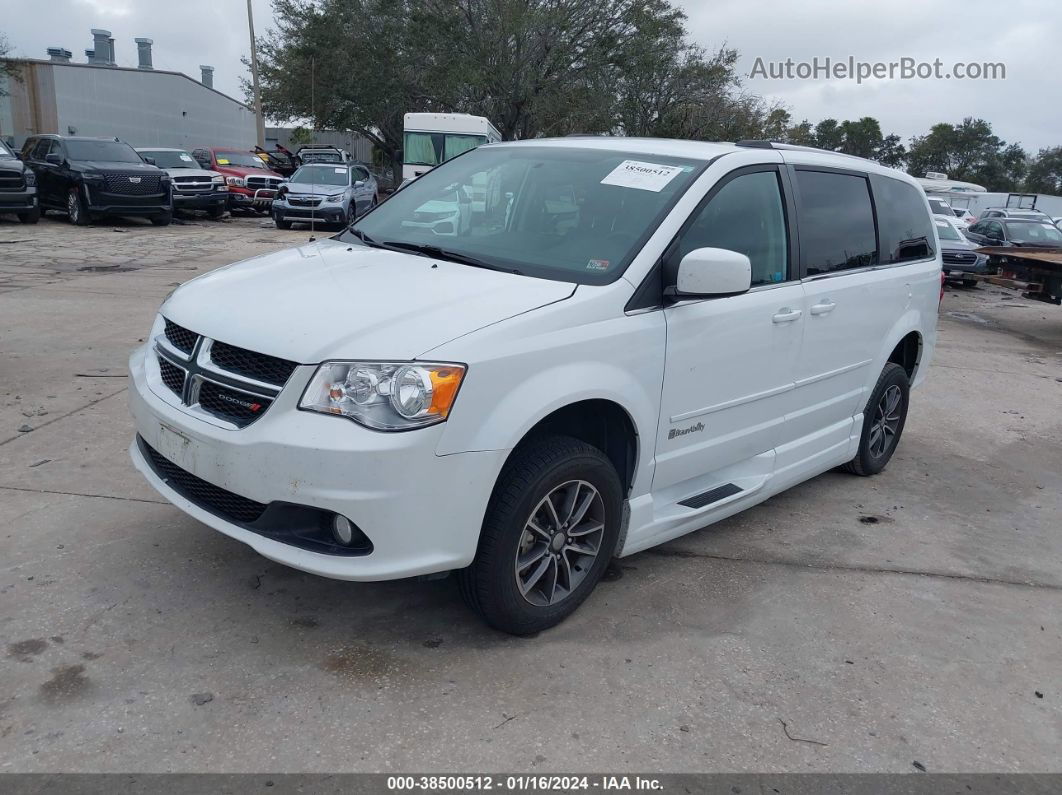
[433,138]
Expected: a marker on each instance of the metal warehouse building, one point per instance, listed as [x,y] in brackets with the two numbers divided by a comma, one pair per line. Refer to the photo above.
[143,106]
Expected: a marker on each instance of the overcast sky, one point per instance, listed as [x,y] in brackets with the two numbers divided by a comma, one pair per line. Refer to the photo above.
[1022,34]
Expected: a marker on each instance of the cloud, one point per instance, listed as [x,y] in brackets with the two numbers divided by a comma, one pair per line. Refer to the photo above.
[1021,37]
[1023,34]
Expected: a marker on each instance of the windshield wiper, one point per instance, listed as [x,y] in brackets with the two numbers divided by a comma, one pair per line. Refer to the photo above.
[429,250]
[364,238]
[419,163]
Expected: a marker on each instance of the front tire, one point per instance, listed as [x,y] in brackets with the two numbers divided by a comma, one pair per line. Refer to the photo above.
[162,219]
[75,208]
[883,420]
[31,217]
[281,223]
[551,528]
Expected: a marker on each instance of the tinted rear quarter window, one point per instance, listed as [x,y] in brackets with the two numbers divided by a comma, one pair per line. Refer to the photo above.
[836,222]
[903,222]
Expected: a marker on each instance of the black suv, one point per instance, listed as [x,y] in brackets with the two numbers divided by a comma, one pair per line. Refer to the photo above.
[18,187]
[90,177]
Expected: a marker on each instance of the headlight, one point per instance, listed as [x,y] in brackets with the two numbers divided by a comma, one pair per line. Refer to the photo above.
[218,180]
[335,197]
[31,178]
[386,396]
[238,182]
[92,176]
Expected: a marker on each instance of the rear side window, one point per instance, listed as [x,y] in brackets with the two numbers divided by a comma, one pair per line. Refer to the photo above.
[903,223]
[747,216]
[836,222]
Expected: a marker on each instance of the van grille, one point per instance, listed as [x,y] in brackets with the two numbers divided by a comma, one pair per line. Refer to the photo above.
[206,495]
[182,338]
[218,379]
[247,363]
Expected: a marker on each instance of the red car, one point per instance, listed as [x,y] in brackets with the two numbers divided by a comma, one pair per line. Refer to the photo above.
[252,186]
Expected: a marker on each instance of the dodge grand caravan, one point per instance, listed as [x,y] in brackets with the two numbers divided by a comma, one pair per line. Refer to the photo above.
[623,341]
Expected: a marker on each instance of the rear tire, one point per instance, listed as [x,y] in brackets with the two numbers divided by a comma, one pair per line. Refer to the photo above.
[586,496]
[31,217]
[883,420]
[76,209]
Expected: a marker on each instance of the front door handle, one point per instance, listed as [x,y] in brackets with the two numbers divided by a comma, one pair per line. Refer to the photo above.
[786,315]
[823,307]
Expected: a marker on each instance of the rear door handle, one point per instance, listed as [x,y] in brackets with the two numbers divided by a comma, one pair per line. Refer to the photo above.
[823,307]
[786,315]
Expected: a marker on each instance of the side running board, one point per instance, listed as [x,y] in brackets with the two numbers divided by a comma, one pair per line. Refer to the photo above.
[710,496]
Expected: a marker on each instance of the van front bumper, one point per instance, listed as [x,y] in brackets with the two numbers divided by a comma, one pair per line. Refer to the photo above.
[421,512]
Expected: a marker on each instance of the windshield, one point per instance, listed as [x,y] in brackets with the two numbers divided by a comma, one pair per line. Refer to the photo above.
[570,214]
[113,151]
[940,206]
[1033,232]
[324,156]
[945,231]
[5,153]
[322,175]
[165,158]
[430,149]
[240,159]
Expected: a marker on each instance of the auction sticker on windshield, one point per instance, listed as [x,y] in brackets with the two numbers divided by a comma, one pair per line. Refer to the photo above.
[642,176]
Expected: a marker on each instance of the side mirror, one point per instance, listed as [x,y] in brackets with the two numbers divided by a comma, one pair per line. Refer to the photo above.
[713,272]
[150,161]
[54,158]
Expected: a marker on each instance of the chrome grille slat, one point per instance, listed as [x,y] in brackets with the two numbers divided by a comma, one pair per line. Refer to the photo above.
[238,387]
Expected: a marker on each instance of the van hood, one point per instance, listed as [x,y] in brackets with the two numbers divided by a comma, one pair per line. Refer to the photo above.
[333,300]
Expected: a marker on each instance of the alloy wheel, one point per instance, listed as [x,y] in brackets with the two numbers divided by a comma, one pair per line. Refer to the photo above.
[886,421]
[560,541]
[73,207]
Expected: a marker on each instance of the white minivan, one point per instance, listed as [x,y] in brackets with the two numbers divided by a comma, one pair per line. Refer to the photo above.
[624,341]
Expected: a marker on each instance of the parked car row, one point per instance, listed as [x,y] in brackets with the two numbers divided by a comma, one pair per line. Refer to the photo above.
[88,178]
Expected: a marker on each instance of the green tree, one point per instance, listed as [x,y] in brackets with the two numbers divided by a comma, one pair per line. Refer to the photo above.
[970,152]
[861,138]
[1045,172]
[356,65]
[828,135]
[802,134]
[891,152]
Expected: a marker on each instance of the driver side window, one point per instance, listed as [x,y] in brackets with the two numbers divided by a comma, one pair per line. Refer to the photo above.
[746,216]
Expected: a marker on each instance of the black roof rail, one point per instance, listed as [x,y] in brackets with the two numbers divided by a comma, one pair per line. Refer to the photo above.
[752,144]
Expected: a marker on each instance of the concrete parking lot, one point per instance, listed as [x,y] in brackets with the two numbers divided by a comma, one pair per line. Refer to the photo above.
[912,619]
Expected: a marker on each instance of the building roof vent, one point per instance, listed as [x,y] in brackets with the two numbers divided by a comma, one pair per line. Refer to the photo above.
[208,75]
[101,47]
[59,55]
[143,51]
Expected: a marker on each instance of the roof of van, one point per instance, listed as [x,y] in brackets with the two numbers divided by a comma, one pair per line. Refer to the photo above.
[709,150]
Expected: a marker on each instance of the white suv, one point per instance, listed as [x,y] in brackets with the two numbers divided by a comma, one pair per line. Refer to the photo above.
[622,341]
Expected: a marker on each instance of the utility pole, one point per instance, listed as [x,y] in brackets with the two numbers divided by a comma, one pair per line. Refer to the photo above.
[259,121]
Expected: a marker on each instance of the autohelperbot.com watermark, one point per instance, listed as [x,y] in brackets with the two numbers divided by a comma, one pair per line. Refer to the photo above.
[850,68]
